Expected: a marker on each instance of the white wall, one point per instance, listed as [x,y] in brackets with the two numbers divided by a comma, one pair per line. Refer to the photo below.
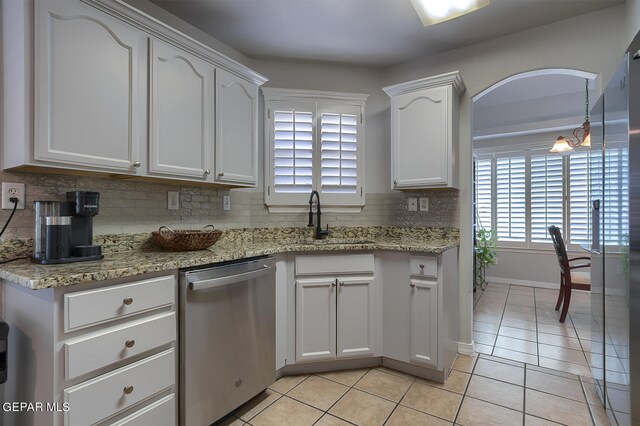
[594,42]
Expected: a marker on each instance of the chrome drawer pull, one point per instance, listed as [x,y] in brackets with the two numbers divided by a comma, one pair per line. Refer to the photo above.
[412,285]
[128,389]
[129,343]
[136,164]
[128,300]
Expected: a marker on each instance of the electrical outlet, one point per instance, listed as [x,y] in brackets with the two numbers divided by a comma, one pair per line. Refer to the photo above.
[412,204]
[226,202]
[173,200]
[424,204]
[10,190]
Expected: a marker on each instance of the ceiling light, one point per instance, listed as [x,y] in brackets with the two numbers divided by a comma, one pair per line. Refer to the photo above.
[581,134]
[434,11]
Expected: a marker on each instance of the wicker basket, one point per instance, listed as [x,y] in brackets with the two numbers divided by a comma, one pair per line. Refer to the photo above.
[185,240]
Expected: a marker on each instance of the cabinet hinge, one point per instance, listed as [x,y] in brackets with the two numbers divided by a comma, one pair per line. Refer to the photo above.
[361,191]
[361,118]
[269,113]
[269,190]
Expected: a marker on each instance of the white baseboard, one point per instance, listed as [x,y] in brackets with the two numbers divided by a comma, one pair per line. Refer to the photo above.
[465,348]
[539,284]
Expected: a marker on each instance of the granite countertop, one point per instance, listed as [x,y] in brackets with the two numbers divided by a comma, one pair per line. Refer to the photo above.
[133,254]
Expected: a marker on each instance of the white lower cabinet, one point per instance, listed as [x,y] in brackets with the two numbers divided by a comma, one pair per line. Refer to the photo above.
[424,322]
[315,319]
[420,316]
[116,364]
[335,314]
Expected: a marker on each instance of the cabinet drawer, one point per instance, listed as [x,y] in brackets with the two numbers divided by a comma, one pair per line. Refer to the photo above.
[159,413]
[424,266]
[324,264]
[91,307]
[101,349]
[99,398]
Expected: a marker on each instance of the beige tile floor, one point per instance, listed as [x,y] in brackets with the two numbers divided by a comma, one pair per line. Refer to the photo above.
[481,390]
[520,323]
[530,370]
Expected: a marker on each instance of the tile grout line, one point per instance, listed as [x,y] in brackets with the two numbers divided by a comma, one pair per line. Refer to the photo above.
[466,388]
[504,308]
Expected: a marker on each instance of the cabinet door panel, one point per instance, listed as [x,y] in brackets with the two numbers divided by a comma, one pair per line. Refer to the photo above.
[315,319]
[89,94]
[421,138]
[236,130]
[355,317]
[181,112]
[424,322]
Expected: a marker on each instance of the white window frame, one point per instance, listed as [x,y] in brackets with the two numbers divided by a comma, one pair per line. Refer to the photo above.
[317,102]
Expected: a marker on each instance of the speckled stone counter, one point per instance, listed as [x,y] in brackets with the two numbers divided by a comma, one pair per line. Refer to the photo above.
[134,254]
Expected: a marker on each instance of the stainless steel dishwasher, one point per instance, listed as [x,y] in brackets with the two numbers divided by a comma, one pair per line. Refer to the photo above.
[227,337]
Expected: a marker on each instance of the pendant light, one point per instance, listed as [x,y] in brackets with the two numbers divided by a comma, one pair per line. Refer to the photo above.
[581,134]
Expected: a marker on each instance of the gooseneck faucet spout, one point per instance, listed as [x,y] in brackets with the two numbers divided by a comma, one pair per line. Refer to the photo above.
[320,233]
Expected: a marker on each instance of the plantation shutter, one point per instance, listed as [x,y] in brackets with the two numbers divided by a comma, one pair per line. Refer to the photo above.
[292,151]
[546,195]
[483,193]
[511,198]
[616,198]
[579,201]
[338,153]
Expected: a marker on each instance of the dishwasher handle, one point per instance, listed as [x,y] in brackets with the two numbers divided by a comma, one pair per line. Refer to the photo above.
[230,279]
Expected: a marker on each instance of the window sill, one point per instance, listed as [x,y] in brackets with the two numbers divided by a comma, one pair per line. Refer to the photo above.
[305,209]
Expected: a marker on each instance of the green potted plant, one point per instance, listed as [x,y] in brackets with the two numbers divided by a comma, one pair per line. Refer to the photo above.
[485,251]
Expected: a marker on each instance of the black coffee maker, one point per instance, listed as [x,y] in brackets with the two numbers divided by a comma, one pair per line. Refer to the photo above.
[63,230]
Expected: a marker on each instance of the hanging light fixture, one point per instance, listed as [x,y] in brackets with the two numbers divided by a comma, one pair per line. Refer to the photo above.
[581,134]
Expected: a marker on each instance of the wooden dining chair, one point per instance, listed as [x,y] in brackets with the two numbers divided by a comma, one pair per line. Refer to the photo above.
[569,280]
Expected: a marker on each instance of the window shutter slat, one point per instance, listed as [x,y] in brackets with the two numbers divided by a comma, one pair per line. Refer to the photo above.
[510,198]
[546,195]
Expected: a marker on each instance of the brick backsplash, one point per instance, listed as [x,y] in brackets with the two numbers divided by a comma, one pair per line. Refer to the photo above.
[131,206]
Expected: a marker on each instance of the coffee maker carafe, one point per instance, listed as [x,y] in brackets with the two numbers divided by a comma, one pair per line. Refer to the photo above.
[63,230]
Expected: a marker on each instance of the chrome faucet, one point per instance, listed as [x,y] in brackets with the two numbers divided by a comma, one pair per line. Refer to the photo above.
[320,233]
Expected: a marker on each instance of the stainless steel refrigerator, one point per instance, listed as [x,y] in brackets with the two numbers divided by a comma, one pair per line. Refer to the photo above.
[615,256]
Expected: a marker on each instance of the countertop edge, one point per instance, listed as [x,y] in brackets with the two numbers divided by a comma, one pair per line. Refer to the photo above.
[211,257]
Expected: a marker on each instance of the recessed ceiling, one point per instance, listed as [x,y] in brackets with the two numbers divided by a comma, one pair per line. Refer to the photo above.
[367,32]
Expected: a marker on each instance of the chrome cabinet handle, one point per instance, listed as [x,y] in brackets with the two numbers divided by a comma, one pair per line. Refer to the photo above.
[412,285]
[333,285]
[421,266]
[207,172]
[220,174]
[128,389]
[341,283]
[129,343]
[136,164]
[127,300]
[395,182]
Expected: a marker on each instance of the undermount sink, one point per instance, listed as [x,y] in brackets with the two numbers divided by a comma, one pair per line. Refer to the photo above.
[337,241]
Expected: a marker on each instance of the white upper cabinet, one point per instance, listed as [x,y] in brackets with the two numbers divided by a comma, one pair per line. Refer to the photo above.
[117,91]
[424,132]
[89,88]
[180,130]
[236,154]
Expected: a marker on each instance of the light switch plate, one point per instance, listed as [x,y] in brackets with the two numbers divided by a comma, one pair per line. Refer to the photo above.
[423,204]
[412,204]
[173,200]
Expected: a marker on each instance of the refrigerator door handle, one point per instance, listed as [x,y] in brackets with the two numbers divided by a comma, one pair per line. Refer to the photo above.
[595,228]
